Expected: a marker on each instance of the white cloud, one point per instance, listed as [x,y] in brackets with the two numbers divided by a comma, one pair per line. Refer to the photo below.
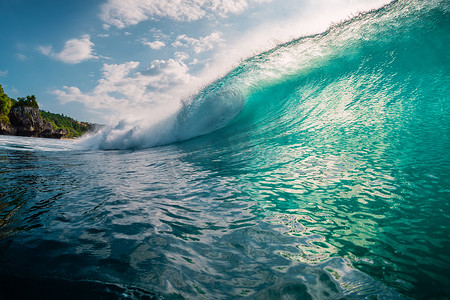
[159,35]
[160,40]
[74,51]
[154,45]
[181,56]
[3,73]
[224,7]
[195,61]
[199,45]
[46,50]
[123,88]
[21,57]
[121,13]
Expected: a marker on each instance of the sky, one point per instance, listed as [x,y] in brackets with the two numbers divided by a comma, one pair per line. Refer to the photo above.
[103,60]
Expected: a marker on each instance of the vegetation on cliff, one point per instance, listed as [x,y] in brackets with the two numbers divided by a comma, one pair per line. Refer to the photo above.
[60,124]
[74,127]
[29,101]
[5,106]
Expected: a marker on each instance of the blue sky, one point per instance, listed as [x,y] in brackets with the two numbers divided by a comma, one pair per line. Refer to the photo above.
[98,60]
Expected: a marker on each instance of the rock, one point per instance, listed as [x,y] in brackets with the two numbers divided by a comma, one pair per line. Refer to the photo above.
[49,132]
[26,121]
[6,129]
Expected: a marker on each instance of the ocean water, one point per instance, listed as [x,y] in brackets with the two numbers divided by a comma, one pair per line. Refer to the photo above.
[317,170]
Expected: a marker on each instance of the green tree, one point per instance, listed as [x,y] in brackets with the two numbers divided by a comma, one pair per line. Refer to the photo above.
[5,105]
[28,101]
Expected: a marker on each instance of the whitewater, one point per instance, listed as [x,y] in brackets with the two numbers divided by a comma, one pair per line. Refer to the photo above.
[316,170]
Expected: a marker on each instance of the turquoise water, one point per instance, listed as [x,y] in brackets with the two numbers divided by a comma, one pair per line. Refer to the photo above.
[316,170]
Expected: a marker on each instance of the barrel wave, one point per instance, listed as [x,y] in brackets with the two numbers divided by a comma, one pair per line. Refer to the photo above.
[372,72]
[316,170]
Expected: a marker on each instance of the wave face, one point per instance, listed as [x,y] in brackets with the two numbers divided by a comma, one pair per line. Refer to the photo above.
[350,130]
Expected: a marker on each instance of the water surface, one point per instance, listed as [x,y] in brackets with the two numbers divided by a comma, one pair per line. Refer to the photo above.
[317,170]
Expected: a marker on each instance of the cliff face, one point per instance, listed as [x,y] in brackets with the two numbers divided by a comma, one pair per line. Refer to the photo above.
[25,121]
[6,129]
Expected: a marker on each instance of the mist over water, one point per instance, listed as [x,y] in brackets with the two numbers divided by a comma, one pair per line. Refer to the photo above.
[315,170]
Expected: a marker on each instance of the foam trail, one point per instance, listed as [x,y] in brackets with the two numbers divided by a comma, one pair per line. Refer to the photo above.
[203,113]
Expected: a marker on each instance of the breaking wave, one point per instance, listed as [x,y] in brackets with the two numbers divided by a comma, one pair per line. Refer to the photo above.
[350,74]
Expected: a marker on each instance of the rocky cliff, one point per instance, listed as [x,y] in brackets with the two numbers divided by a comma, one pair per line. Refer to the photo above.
[26,121]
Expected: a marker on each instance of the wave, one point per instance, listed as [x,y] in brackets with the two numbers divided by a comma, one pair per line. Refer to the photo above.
[344,78]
